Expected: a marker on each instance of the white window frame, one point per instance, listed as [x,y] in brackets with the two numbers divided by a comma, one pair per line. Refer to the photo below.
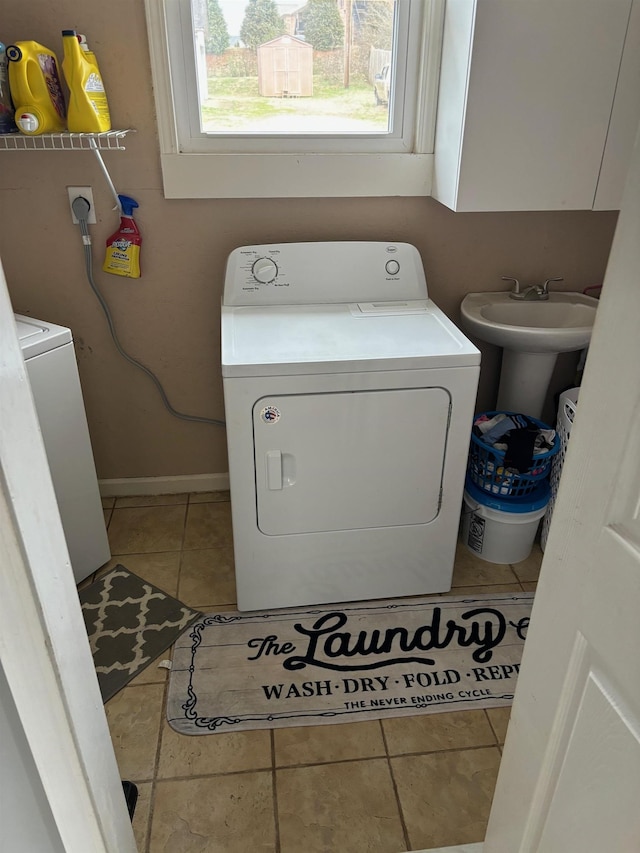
[196,165]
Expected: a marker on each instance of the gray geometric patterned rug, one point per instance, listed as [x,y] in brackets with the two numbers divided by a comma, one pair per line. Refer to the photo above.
[130,623]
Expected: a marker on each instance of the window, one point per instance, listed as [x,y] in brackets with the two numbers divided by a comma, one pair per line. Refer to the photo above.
[248,107]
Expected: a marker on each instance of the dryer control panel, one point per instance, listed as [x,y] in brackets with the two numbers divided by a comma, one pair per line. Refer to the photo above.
[324,273]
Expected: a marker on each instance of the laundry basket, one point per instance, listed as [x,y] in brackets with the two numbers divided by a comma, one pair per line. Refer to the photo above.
[566,413]
[487,470]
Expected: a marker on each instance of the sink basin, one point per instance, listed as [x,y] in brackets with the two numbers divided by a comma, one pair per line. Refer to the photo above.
[563,323]
[532,333]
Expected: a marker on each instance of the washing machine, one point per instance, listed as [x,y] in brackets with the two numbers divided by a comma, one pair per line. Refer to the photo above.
[51,366]
[349,400]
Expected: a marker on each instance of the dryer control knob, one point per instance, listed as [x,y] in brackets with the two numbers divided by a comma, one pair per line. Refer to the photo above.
[392,267]
[264,270]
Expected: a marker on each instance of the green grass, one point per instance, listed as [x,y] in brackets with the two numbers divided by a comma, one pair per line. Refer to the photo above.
[234,104]
[245,87]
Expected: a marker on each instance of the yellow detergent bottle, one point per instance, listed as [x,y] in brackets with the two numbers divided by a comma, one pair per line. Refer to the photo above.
[35,88]
[88,107]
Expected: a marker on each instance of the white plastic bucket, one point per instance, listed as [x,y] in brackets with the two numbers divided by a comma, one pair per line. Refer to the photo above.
[497,535]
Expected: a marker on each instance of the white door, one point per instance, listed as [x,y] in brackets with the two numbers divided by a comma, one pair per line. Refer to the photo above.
[349,460]
[59,782]
[570,776]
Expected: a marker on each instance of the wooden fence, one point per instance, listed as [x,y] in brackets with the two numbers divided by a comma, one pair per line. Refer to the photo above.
[377,60]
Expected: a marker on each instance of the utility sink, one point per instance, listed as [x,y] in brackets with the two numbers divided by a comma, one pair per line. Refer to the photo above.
[532,332]
[563,323]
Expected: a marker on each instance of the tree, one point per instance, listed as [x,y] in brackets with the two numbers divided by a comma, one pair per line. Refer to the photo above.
[217,40]
[323,27]
[261,23]
[377,24]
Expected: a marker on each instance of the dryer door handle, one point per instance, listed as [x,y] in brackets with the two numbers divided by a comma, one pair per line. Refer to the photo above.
[274,469]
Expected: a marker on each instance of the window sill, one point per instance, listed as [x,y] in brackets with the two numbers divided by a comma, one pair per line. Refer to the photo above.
[296,175]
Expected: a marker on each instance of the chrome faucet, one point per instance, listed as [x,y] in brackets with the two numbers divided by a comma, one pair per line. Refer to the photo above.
[535,292]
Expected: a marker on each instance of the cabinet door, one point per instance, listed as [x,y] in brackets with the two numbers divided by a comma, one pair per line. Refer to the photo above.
[624,121]
[349,460]
[525,100]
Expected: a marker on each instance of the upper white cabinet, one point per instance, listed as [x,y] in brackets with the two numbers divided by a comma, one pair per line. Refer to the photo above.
[539,103]
[624,121]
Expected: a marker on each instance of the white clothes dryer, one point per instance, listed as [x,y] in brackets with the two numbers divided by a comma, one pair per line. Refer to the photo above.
[349,401]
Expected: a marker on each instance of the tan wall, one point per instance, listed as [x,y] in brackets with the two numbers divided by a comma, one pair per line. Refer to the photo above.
[170,317]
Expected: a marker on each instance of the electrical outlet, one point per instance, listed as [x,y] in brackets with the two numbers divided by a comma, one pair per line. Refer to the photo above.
[85,192]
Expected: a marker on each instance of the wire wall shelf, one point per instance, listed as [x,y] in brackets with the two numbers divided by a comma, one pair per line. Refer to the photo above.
[110,140]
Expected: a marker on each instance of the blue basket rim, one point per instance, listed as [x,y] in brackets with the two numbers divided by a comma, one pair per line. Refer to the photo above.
[500,454]
[535,500]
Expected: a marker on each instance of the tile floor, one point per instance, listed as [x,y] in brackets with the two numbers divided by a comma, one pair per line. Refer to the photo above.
[372,787]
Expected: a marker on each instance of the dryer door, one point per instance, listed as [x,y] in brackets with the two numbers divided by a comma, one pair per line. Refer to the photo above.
[349,460]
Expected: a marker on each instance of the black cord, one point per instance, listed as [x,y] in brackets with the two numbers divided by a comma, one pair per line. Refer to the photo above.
[81,211]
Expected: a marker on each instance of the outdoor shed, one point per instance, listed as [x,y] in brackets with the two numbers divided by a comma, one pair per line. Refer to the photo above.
[285,68]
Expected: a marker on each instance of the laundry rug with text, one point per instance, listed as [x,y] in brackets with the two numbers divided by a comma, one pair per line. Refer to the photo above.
[333,663]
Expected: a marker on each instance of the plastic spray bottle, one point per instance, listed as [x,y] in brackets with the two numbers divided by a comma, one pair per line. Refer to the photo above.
[88,110]
[123,247]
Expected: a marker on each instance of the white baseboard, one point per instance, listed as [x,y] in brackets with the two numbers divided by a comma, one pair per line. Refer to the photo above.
[130,486]
[462,848]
